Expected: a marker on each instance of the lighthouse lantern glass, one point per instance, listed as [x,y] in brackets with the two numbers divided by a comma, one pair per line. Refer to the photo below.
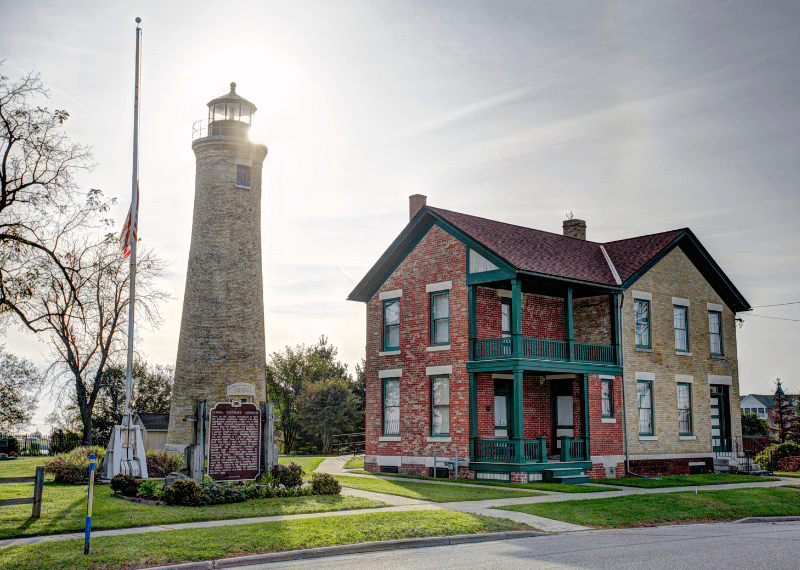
[233,111]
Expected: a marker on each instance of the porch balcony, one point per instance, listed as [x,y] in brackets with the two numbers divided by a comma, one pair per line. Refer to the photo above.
[532,451]
[544,349]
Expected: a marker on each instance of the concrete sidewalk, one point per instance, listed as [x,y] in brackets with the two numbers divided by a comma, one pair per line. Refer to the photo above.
[397,503]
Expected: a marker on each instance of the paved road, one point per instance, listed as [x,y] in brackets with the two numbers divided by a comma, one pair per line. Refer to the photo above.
[727,546]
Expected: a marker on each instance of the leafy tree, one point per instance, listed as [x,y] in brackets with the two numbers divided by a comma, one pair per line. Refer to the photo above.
[18,379]
[782,412]
[40,206]
[326,408]
[360,390]
[751,425]
[793,431]
[85,324]
[286,374]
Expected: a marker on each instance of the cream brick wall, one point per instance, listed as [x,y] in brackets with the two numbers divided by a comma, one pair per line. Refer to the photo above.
[676,276]
[222,324]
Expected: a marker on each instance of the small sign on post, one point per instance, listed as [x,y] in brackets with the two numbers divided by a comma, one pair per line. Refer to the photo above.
[89,505]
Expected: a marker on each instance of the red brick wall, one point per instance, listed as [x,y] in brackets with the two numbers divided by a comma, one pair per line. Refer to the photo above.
[680,466]
[605,438]
[437,257]
[536,398]
[591,320]
[485,405]
[542,317]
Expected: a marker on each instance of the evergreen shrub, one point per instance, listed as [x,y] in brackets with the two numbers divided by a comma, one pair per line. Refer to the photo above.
[183,492]
[125,485]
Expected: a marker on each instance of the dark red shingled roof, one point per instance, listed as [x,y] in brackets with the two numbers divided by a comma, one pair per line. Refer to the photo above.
[554,254]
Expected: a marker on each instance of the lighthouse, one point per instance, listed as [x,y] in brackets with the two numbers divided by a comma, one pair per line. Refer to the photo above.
[221,351]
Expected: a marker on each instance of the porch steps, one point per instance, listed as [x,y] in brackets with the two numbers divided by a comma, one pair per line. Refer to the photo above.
[565,475]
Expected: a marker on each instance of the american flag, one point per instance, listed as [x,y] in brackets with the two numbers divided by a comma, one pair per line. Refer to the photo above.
[129,230]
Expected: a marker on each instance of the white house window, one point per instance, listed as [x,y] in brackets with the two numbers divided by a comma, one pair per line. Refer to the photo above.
[605,398]
[440,405]
[715,331]
[684,409]
[440,318]
[243,176]
[391,406]
[681,326]
[641,313]
[644,391]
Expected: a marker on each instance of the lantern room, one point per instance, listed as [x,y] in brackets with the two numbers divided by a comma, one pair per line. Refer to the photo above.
[229,115]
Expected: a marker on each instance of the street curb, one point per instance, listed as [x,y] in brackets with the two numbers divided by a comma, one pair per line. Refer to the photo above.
[767,519]
[349,549]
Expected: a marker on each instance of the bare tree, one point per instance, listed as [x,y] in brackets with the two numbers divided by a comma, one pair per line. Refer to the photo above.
[85,322]
[40,205]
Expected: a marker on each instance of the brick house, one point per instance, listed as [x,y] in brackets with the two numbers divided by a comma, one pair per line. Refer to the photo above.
[538,356]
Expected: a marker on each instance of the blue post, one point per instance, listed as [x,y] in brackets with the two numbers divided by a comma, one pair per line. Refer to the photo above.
[89,505]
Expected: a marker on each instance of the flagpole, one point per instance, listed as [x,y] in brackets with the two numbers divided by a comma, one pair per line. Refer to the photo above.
[127,421]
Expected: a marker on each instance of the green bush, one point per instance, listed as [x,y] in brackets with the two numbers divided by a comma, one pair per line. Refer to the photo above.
[290,477]
[73,467]
[162,463]
[11,447]
[183,492]
[325,484]
[220,494]
[768,459]
[151,490]
[125,485]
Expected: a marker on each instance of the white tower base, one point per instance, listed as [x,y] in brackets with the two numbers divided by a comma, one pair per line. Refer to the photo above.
[123,456]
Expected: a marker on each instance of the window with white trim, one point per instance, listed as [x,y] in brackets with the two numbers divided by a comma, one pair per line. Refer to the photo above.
[440,318]
[605,397]
[391,406]
[440,405]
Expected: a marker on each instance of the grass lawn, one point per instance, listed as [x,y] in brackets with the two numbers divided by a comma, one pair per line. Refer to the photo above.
[308,462]
[64,510]
[554,487]
[354,463]
[22,467]
[429,491]
[669,508]
[684,480]
[786,473]
[135,551]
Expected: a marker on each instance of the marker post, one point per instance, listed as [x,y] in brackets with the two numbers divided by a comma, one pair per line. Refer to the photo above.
[89,505]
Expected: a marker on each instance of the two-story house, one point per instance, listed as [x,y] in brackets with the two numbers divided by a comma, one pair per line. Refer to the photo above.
[539,356]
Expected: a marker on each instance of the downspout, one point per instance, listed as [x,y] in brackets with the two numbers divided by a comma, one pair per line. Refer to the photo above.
[624,399]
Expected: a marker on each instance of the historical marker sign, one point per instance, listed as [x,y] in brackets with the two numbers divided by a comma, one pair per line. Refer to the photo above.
[234,441]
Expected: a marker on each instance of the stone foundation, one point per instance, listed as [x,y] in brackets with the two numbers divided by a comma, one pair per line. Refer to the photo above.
[657,467]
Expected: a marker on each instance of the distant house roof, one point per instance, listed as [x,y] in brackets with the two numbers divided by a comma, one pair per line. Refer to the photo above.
[546,254]
[154,421]
[768,400]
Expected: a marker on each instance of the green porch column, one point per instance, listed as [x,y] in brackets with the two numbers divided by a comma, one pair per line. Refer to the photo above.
[568,336]
[516,318]
[615,320]
[472,304]
[473,414]
[518,428]
[585,411]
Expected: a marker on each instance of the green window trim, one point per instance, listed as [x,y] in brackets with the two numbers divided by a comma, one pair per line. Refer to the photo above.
[641,319]
[680,323]
[440,318]
[685,425]
[607,397]
[391,325]
[715,336]
[644,396]
[390,410]
[440,406]
[505,315]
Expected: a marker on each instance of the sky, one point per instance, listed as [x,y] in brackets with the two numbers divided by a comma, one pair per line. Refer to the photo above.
[638,117]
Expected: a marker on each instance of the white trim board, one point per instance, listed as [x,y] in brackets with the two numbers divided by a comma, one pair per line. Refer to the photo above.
[386,295]
[441,286]
[391,373]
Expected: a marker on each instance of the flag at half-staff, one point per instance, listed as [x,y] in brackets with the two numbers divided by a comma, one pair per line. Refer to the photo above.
[130,228]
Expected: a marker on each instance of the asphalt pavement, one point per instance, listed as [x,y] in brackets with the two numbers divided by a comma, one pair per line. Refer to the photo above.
[728,546]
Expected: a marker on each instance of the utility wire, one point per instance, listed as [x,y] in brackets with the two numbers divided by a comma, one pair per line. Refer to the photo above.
[776,318]
[776,305]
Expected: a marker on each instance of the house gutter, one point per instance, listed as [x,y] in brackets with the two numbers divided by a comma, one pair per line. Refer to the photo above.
[624,399]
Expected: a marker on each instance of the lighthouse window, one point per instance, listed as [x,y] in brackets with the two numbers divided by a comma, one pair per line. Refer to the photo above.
[233,111]
[243,176]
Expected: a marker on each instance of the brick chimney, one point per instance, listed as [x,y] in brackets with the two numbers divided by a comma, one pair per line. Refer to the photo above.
[415,204]
[575,228]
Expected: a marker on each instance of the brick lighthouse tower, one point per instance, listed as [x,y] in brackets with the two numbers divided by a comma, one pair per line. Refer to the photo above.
[221,350]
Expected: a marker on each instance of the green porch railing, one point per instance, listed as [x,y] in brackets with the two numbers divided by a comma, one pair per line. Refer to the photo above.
[492,348]
[594,353]
[502,450]
[543,348]
[574,448]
